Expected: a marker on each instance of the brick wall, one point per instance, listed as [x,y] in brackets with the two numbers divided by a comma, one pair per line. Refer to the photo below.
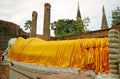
[9,30]
[92,34]
[9,24]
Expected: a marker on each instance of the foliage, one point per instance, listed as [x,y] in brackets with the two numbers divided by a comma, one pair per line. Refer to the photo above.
[116,16]
[67,27]
[86,22]
[28,25]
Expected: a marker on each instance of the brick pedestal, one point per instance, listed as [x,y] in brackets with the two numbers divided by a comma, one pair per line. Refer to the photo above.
[4,70]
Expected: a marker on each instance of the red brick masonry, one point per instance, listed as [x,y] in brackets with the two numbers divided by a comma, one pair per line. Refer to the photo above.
[4,70]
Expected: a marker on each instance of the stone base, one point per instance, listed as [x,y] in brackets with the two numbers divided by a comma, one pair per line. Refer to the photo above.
[114,76]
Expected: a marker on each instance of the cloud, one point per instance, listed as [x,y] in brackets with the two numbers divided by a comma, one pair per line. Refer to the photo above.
[18,11]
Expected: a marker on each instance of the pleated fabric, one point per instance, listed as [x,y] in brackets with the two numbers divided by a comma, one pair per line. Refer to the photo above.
[84,54]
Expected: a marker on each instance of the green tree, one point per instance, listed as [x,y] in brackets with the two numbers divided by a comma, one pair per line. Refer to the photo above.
[67,27]
[28,25]
[116,16]
[86,22]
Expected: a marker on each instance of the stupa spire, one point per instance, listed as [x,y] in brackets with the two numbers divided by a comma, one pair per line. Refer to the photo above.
[79,18]
[104,24]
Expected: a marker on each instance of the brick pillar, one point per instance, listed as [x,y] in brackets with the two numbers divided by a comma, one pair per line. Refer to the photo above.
[34,24]
[114,53]
[46,28]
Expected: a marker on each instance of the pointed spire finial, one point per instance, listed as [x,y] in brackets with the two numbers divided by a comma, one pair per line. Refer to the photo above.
[104,19]
[78,6]
[103,9]
[79,19]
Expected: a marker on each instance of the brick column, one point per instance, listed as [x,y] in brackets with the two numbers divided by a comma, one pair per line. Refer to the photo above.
[46,28]
[114,53]
[34,24]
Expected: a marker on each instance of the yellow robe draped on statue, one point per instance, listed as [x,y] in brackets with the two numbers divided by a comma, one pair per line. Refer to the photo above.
[83,54]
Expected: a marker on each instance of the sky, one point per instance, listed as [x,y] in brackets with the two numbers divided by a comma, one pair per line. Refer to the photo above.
[18,11]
